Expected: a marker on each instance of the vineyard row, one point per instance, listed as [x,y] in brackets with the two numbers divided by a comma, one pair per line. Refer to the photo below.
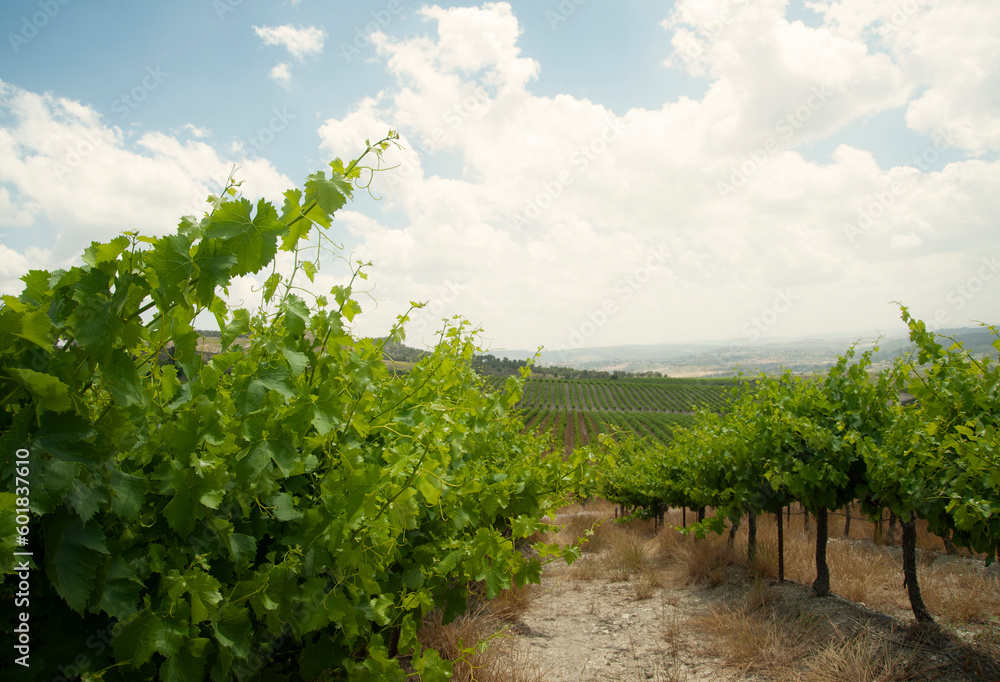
[635,395]
[580,428]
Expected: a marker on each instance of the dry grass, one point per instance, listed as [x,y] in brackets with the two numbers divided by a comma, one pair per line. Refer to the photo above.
[479,646]
[701,562]
[764,563]
[858,574]
[750,632]
[646,583]
[585,570]
[610,551]
[756,635]
[673,629]
[510,604]
[963,594]
[956,590]
[624,555]
[575,525]
[747,635]
[865,657]
[987,640]
[665,545]
[859,570]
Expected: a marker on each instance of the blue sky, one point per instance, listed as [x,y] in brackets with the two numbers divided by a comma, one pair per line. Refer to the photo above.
[603,173]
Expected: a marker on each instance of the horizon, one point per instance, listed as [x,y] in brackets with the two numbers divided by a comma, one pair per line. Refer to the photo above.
[724,351]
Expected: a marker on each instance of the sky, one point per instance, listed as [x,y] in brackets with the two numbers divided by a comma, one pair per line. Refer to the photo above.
[571,173]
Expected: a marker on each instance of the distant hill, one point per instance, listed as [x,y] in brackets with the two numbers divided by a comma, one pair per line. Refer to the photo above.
[723,358]
[487,364]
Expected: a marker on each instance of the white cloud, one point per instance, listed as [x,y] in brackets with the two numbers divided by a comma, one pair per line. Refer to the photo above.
[948,49]
[300,42]
[775,78]
[560,220]
[905,241]
[14,264]
[61,165]
[14,213]
[282,73]
[559,204]
[196,131]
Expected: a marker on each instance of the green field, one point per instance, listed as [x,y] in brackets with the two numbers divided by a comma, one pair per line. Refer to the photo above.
[574,411]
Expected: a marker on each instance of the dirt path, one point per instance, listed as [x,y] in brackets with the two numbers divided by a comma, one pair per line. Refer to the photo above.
[596,621]
[623,612]
[598,630]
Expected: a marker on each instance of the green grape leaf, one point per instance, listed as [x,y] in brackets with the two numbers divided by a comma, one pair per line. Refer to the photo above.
[240,324]
[86,500]
[31,325]
[330,195]
[382,607]
[281,451]
[428,487]
[251,238]
[271,379]
[297,313]
[324,418]
[319,656]
[50,393]
[138,638]
[64,436]
[292,206]
[233,629]
[310,269]
[78,551]
[351,310]
[121,590]
[123,378]
[455,603]
[271,285]
[297,231]
[431,667]
[36,287]
[202,590]
[298,224]
[188,663]
[127,494]
[171,260]
[413,578]
[97,326]
[284,507]
[243,548]
[298,362]
[105,253]
[214,264]
[185,508]
[53,478]
[250,463]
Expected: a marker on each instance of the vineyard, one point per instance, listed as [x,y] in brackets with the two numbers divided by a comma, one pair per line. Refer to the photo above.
[292,507]
[826,442]
[573,412]
[626,395]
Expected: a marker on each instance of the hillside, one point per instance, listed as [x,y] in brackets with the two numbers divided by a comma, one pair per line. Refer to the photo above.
[724,358]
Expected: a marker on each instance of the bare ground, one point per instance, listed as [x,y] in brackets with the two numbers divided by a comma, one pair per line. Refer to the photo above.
[597,630]
[602,620]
